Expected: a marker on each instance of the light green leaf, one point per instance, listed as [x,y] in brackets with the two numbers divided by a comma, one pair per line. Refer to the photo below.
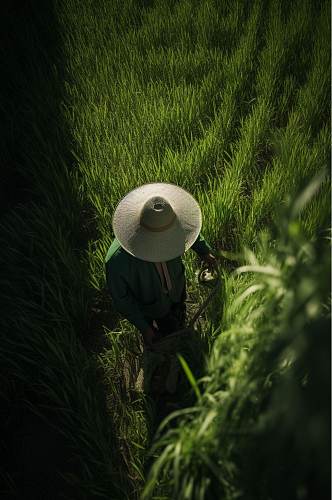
[190,376]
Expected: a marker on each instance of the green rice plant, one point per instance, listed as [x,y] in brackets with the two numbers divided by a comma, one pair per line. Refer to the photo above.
[228,100]
[45,297]
[293,163]
[40,349]
[129,414]
[314,96]
[282,42]
[246,166]
[257,380]
[96,199]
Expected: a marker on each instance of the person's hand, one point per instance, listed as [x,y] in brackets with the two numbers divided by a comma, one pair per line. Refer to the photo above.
[210,260]
[149,335]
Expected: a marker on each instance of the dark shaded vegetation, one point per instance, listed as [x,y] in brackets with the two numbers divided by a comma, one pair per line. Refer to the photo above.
[30,100]
[58,413]
[40,210]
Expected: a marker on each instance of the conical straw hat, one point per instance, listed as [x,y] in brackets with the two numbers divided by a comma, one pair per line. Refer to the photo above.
[157,222]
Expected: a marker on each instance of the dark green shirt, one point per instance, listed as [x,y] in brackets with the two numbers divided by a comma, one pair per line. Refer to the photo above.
[135,284]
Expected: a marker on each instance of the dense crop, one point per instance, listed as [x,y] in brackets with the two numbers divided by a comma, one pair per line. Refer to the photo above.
[261,425]
[229,100]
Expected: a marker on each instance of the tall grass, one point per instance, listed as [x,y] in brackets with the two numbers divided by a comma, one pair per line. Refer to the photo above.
[262,404]
[45,297]
[180,102]
[230,101]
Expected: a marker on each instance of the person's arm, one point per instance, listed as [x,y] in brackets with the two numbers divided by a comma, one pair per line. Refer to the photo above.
[201,247]
[123,299]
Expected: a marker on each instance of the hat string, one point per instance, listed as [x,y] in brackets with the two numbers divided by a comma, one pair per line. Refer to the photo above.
[164,275]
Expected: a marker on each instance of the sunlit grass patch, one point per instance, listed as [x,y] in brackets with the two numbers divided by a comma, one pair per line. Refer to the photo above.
[229,100]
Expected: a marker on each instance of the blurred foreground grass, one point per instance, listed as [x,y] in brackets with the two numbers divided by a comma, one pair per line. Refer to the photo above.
[230,101]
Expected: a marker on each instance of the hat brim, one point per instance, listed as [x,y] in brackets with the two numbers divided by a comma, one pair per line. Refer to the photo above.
[157,246]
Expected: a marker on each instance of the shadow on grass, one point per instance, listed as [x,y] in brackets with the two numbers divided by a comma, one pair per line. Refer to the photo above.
[32,132]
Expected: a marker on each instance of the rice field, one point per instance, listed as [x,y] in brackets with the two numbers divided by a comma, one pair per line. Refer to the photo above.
[229,100]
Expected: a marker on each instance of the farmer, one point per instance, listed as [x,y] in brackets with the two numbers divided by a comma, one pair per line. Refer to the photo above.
[154,225]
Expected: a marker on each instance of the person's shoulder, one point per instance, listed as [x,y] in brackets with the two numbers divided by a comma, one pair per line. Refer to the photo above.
[114,252]
[116,256]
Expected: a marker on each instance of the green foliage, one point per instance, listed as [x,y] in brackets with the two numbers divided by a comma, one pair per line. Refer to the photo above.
[190,376]
[264,403]
[229,100]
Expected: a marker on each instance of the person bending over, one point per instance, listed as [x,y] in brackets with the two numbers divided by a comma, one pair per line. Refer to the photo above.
[154,225]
